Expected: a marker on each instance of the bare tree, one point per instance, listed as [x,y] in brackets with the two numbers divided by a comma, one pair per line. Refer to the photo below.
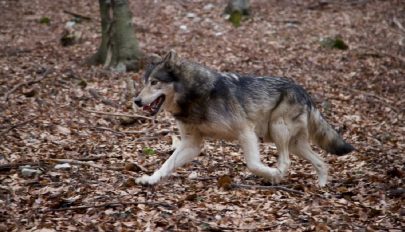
[119,47]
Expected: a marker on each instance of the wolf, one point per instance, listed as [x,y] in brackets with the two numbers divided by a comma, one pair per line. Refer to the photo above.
[230,106]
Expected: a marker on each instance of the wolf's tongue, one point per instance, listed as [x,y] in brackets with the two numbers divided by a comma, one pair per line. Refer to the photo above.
[147,108]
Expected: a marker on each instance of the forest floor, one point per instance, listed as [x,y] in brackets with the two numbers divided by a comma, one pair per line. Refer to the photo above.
[47,95]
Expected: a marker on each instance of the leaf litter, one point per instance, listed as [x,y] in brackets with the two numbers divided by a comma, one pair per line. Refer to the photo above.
[82,164]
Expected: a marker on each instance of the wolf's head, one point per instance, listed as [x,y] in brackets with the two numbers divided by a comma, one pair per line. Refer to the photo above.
[159,84]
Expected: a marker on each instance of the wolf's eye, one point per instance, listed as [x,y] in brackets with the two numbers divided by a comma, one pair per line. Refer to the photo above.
[153,82]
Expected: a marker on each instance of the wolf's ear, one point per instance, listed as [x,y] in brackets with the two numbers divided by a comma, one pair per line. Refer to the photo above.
[153,58]
[171,58]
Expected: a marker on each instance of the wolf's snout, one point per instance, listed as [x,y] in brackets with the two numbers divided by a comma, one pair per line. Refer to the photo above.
[138,101]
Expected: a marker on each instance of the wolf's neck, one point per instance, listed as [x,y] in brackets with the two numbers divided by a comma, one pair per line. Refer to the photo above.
[193,73]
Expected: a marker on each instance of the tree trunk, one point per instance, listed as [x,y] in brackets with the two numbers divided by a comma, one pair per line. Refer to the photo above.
[119,47]
[241,6]
[237,9]
[100,56]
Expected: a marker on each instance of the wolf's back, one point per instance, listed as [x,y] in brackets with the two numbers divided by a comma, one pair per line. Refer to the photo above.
[325,136]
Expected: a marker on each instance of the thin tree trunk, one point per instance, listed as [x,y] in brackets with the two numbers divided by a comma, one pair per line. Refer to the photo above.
[125,48]
[100,56]
[119,47]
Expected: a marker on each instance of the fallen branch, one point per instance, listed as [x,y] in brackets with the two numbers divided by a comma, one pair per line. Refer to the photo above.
[16,87]
[378,98]
[221,228]
[8,167]
[111,204]
[92,158]
[17,125]
[377,53]
[147,138]
[130,132]
[268,187]
[118,114]
[105,129]
[82,161]
[77,15]
[98,96]
[78,162]
[70,161]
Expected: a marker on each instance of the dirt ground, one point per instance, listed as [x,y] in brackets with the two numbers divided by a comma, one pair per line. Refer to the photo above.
[47,95]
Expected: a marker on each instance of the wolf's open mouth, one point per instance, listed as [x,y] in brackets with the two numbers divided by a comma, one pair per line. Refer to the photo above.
[154,107]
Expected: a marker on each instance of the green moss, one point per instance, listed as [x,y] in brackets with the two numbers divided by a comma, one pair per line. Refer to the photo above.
[235,18]
[334,42]
[45,20]
[82,83]
[149,151]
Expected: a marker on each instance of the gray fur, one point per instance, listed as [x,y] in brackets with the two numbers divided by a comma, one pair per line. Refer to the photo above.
[207,103]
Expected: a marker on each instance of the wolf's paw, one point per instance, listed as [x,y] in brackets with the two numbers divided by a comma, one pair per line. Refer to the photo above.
[322,181]
[273,180]
[276,179]
[147,180]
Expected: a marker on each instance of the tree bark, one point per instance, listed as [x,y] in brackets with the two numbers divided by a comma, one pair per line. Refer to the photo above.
[119,47]
[100,56]
[241,6]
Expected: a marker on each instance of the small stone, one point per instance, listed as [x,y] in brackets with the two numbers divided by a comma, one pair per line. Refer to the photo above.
[193,175]
[191,15]
[63,130]
[28,172]
[63,166]
[184,27]
[209,6]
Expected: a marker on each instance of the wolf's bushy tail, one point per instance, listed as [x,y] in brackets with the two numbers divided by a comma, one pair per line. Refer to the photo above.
[322,134]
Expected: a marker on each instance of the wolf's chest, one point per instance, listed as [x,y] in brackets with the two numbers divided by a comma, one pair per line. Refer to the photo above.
[218,131]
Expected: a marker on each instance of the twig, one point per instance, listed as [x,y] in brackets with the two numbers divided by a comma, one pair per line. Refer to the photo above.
[78,162]
[106,129]
[268,187]
[77,15]
[147,138]
[110,204]
[45,74]
[378,98]
[98,96]
[378,53]
[17,125]
[118,114]
[82,161]
[70,161]
[91,158]
[219,227]
[163,131]
[8,167]
[398,23]
[127,132]
[119,132]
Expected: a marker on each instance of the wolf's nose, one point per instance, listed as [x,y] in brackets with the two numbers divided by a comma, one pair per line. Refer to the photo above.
[138,101]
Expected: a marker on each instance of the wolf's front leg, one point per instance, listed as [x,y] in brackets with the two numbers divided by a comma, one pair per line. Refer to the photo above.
[250,147]
[188,149]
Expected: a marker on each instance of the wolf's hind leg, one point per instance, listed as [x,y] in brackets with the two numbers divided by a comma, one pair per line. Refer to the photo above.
[302,148]
[281,137]
[250,146]
[188,149]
